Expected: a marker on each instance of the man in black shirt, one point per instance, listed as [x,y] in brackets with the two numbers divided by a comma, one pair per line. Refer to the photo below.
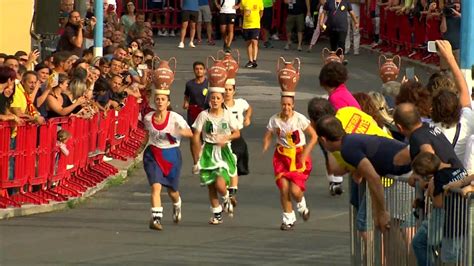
[336,13]
[195,94]
[73,37]
[424,137]
[368,156]
[296,19]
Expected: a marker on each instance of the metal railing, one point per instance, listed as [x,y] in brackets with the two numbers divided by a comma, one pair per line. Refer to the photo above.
[449,231]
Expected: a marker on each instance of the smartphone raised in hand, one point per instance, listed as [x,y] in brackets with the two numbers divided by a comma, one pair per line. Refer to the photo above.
[410,73]
[432,47]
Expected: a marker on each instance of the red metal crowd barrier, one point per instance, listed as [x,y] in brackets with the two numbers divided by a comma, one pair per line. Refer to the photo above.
[404,34]
[169,12]
[34,169]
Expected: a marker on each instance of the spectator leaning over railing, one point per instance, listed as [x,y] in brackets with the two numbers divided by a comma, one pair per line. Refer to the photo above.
[59,102]
[369,157]
[43,72]
[137,70]
[73,37]
[386,113]
[440,226]
[25,92]
[368,106]
[453,114]
[423,137]
[7,87]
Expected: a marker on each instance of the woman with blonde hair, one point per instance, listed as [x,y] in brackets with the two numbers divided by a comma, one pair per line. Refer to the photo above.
[386,113]
[136,70]
[61,100]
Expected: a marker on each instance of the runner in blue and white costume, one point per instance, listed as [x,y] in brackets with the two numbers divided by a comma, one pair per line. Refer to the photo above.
[162,157]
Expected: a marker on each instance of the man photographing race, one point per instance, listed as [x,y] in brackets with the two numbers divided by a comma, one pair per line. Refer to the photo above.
[72,40]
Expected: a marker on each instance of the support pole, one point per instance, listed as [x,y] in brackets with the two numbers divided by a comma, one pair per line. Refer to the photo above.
[99,27]
[467,40]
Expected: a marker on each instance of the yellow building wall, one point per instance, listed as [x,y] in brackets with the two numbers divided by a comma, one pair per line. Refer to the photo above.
[15,21]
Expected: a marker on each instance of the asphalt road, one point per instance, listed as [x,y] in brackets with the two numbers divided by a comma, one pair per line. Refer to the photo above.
[111,228]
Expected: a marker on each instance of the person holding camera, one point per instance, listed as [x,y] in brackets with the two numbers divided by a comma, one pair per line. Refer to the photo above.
[451,29]
[72,40]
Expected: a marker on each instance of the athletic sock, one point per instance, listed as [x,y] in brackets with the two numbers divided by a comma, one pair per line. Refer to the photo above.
[177,204]
[301,206]
[157,213]
[289,217]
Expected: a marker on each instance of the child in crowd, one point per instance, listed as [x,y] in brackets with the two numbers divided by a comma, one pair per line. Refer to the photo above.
[62,138]
[437,176]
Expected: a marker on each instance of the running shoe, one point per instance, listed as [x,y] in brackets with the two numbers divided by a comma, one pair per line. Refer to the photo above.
[155,224]
[176,214]
[233,201]
[228,207]
[216,219]
[249,64]
[335,188]
[254,64]
[181,45]
[191,44]
[286,227]
[305,214]
[287,46]
[172,34]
